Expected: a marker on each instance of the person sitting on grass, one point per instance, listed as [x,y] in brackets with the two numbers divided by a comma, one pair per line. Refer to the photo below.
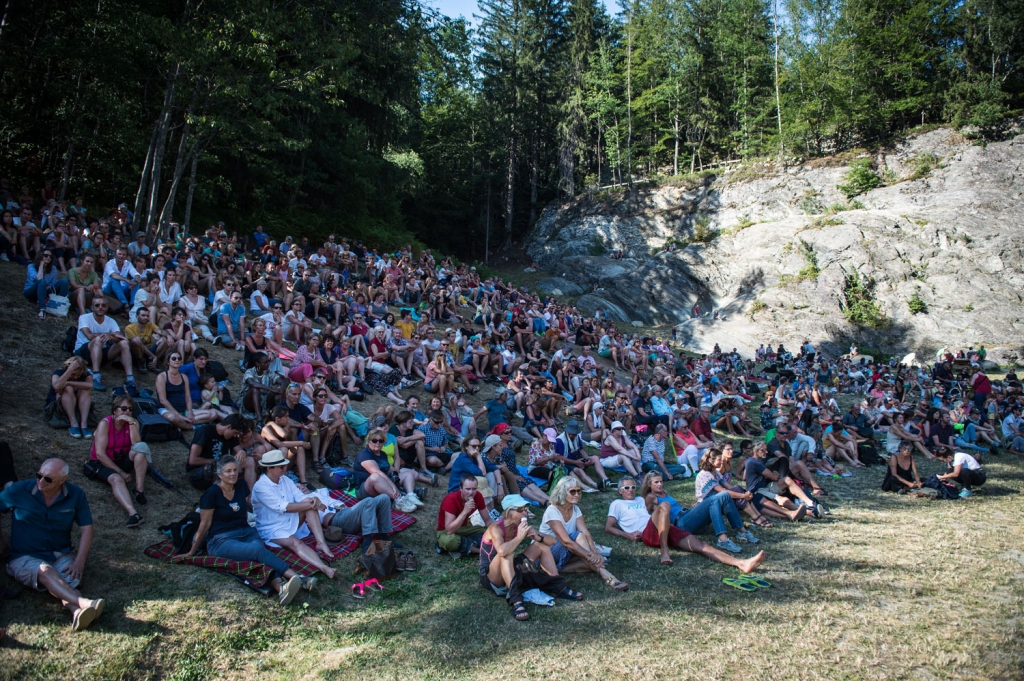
[145,340]
[71,391]
[618,450]
[506,574]
[100,340]
[770,487]
[456,533]
[629,518]
[43,279]
[371,474]
[898,433]
[901,473]
[282,436]
[569,446]
[285,516]
[712,511]
[963,468]
[40,553]
[210,441]
[574,548]
[224,530]
[117,452]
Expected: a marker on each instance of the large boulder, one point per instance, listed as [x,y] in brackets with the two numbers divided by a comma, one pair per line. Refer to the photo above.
[558,286]
[779,267]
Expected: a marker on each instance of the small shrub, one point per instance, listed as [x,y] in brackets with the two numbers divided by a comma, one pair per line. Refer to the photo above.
[968,308]
[755,307]
[702,232]
[920,272]
[811,203]
[889,175]
[811,269]
[916,305]
[860,307]
[827,222]
[859,178]
[597,246]
[922,166]
[743,223]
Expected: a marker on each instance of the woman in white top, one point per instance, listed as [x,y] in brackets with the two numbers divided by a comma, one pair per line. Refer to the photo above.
[285,516]
[259,303]
[575,550]
[963,468]
[195,311]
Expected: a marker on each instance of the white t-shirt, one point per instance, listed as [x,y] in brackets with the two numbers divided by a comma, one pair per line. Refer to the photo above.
[258,295]
[194,310]
[88,321]
[965,460]
[271,325]
[632,515]
[269,502]
[552,514]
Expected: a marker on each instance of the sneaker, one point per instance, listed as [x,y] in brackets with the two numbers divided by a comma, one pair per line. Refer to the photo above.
[3,257]
[216,341]
[140,498]
[816,511]
[594,444]
[519,415]
[729,545]
[605,551]
[686,472]
[290,589]
[746,536]
[415,499]
[134,521]
[405,504]
[495,516]
[964,493]
[98,384]
[421,493]
[847,474]
[590,490]
[433,479]
[87,615]
[86,433]
[410,562]
[400,561]
[308,583]
[75,432]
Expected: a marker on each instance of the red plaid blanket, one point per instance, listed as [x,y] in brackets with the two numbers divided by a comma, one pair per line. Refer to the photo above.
[258,574]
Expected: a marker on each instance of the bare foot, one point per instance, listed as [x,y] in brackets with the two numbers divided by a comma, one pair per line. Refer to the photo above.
[329,572]
[666,559]
[326,550]
[749,565]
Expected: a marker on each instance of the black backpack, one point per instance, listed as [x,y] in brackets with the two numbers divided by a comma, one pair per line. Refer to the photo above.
[946,490]
[67,344]
[183,532]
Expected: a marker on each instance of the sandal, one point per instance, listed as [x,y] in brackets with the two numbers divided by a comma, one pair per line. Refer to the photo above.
[761,521]
[569,595]
[359,591]
[372,583]
[759,582]
[616,584]
[737,583]
[519,612]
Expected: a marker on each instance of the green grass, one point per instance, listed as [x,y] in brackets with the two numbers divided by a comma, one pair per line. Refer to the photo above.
[885,587]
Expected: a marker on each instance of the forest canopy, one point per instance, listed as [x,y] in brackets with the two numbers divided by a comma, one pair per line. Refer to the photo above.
[384,120]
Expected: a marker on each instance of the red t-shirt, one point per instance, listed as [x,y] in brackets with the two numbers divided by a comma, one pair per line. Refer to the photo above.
[701,429]
[454,504]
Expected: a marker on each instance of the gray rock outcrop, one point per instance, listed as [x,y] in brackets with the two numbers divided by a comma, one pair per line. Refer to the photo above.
[951,237]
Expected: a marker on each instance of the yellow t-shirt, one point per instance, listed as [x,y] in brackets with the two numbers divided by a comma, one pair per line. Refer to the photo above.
[133,330]
[408,328]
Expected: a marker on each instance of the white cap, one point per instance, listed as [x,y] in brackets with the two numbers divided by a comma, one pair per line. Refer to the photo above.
[617,424]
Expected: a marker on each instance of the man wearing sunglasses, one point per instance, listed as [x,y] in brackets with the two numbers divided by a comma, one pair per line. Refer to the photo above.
[41,555]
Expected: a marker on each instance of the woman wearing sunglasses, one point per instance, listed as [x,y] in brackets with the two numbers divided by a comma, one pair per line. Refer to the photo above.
[371,474]
[117,452]
[43,279]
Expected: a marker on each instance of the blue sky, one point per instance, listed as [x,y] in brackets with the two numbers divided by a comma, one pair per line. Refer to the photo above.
[466,8]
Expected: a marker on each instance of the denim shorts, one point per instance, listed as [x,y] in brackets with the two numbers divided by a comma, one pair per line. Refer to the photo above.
[561,554]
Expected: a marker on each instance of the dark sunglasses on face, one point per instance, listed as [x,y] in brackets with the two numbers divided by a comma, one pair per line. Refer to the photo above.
[40,476]
[377,441]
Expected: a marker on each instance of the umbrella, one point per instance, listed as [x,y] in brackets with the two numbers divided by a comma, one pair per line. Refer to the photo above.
[162,479]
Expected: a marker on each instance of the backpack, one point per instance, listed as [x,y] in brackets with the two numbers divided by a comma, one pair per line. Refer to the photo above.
[217,369]
[67,344]
[183,532]
[946,490]
[336,478]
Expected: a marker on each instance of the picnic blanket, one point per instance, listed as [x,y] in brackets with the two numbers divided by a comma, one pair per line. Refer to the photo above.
[256,574]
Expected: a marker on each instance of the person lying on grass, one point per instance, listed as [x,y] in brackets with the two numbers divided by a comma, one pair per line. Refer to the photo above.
[629,518]
[509,575]
[224,530]
[713,510]
[574,548]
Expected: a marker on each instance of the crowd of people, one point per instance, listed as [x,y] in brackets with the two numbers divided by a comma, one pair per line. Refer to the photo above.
[574,406]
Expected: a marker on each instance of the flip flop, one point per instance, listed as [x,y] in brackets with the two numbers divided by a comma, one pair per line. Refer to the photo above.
[740,584]
[358,591]
[759,582]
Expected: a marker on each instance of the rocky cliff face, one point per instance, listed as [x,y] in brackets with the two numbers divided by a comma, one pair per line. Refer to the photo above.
[951,237]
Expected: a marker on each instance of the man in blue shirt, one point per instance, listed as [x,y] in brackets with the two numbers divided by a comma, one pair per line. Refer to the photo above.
[231,322]
[41,555]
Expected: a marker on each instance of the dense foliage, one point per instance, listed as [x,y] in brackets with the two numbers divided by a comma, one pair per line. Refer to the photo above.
[381,119]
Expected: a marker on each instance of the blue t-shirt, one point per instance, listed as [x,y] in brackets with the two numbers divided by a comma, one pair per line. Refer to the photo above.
[755,475]
[674,509]
[234,314]
[466,465]
[497,412]
[39,530]
[260,238]
[360,474]
[189,371]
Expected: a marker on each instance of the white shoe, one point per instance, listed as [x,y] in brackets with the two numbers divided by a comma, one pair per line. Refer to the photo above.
[415,499]
[405,504]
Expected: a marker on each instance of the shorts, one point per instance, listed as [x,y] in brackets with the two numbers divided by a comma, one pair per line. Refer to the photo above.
[94,470]
[604,353]
[613,461]
[26,569]
[225,338]
[408,456]
[83,351]
[652,538]
[561,554]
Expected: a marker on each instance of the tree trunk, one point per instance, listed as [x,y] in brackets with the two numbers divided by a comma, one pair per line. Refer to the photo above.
[66,175]
[778,101]
[510,197]
[179,169]
[191,192]
[534,175]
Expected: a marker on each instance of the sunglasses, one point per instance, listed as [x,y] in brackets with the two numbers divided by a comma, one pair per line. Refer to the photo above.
[40,476]
[628,488]
[576,491]
[123,407]
[278,307]
[377,441]
[174,358]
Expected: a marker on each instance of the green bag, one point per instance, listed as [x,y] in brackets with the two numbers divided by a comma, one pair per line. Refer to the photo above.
[557,473]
